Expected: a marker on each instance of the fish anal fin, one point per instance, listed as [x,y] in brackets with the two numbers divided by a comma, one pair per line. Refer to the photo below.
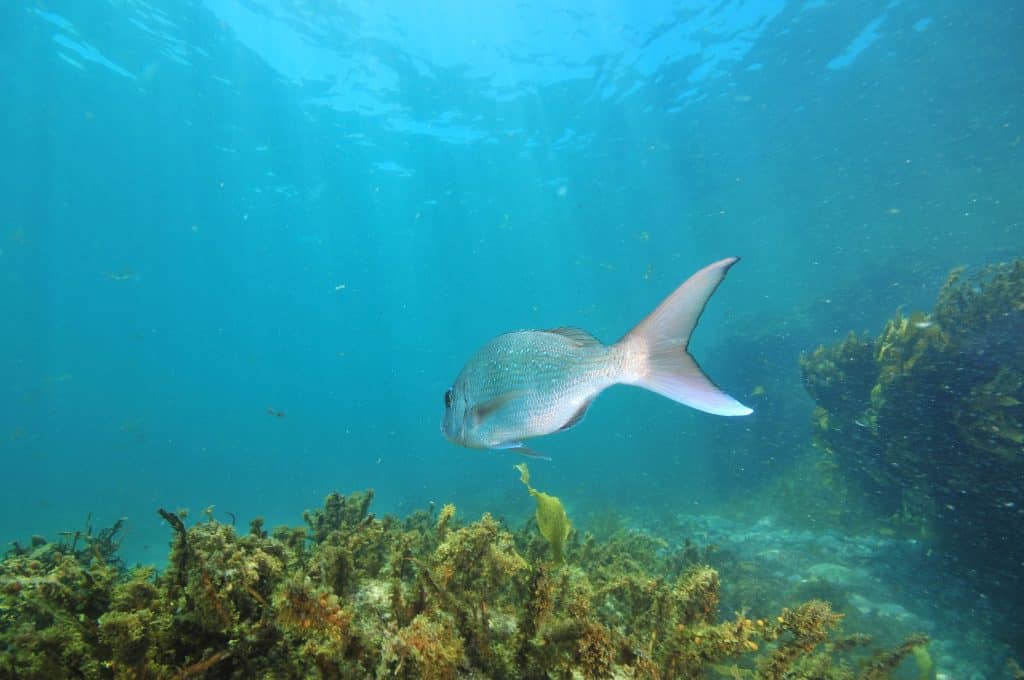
[579,336]
[484,410]
[577,417]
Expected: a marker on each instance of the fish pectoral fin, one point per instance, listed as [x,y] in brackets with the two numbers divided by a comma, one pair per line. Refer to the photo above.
[481,412]
[527,451]
[578,416]
[522,448]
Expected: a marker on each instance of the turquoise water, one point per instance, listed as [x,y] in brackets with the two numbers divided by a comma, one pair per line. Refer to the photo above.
[246,245]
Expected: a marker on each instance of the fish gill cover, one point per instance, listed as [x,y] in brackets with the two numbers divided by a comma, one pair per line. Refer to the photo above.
[246,244]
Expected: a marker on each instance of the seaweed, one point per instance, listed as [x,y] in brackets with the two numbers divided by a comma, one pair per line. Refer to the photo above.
[552,522]
[927,420]
[427,596]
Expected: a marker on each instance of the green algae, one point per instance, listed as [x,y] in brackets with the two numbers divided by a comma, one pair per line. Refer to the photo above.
[927,419]
[352,595]
[552,521]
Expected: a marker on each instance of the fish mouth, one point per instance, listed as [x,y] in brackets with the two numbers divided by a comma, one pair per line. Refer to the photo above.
[447,434]
[457,439]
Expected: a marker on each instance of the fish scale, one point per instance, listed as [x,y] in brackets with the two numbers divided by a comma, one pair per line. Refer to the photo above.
[549,375]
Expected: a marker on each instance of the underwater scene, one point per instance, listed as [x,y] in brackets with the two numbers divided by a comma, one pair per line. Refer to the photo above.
[512,339]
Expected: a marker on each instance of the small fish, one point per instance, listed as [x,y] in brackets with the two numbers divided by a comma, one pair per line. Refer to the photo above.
[531,383]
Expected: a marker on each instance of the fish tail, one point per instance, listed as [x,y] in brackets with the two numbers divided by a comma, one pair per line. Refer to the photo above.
[656,349]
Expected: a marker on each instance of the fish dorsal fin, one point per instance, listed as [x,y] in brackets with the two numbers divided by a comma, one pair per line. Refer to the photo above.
[482,411]
[579,336]
[578,416]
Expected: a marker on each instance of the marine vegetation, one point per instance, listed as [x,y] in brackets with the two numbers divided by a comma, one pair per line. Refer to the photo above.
[552,521]
[351,595]
[927,419]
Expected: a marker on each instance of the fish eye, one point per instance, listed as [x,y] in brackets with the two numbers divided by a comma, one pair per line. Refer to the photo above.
[448,397]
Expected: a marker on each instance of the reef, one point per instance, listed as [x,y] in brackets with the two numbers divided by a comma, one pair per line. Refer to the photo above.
[352,595]
[926,421]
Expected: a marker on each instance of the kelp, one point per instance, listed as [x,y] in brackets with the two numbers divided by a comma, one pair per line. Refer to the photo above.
[552,521]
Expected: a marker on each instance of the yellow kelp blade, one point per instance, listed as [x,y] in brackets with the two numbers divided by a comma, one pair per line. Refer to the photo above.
[552,521]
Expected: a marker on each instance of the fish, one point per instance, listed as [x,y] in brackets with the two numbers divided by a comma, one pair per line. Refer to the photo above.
[531,383]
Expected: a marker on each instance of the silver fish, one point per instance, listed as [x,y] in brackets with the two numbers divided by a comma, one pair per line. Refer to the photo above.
[532,383]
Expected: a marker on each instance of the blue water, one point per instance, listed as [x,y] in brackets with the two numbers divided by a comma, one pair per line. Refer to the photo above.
[245,245]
